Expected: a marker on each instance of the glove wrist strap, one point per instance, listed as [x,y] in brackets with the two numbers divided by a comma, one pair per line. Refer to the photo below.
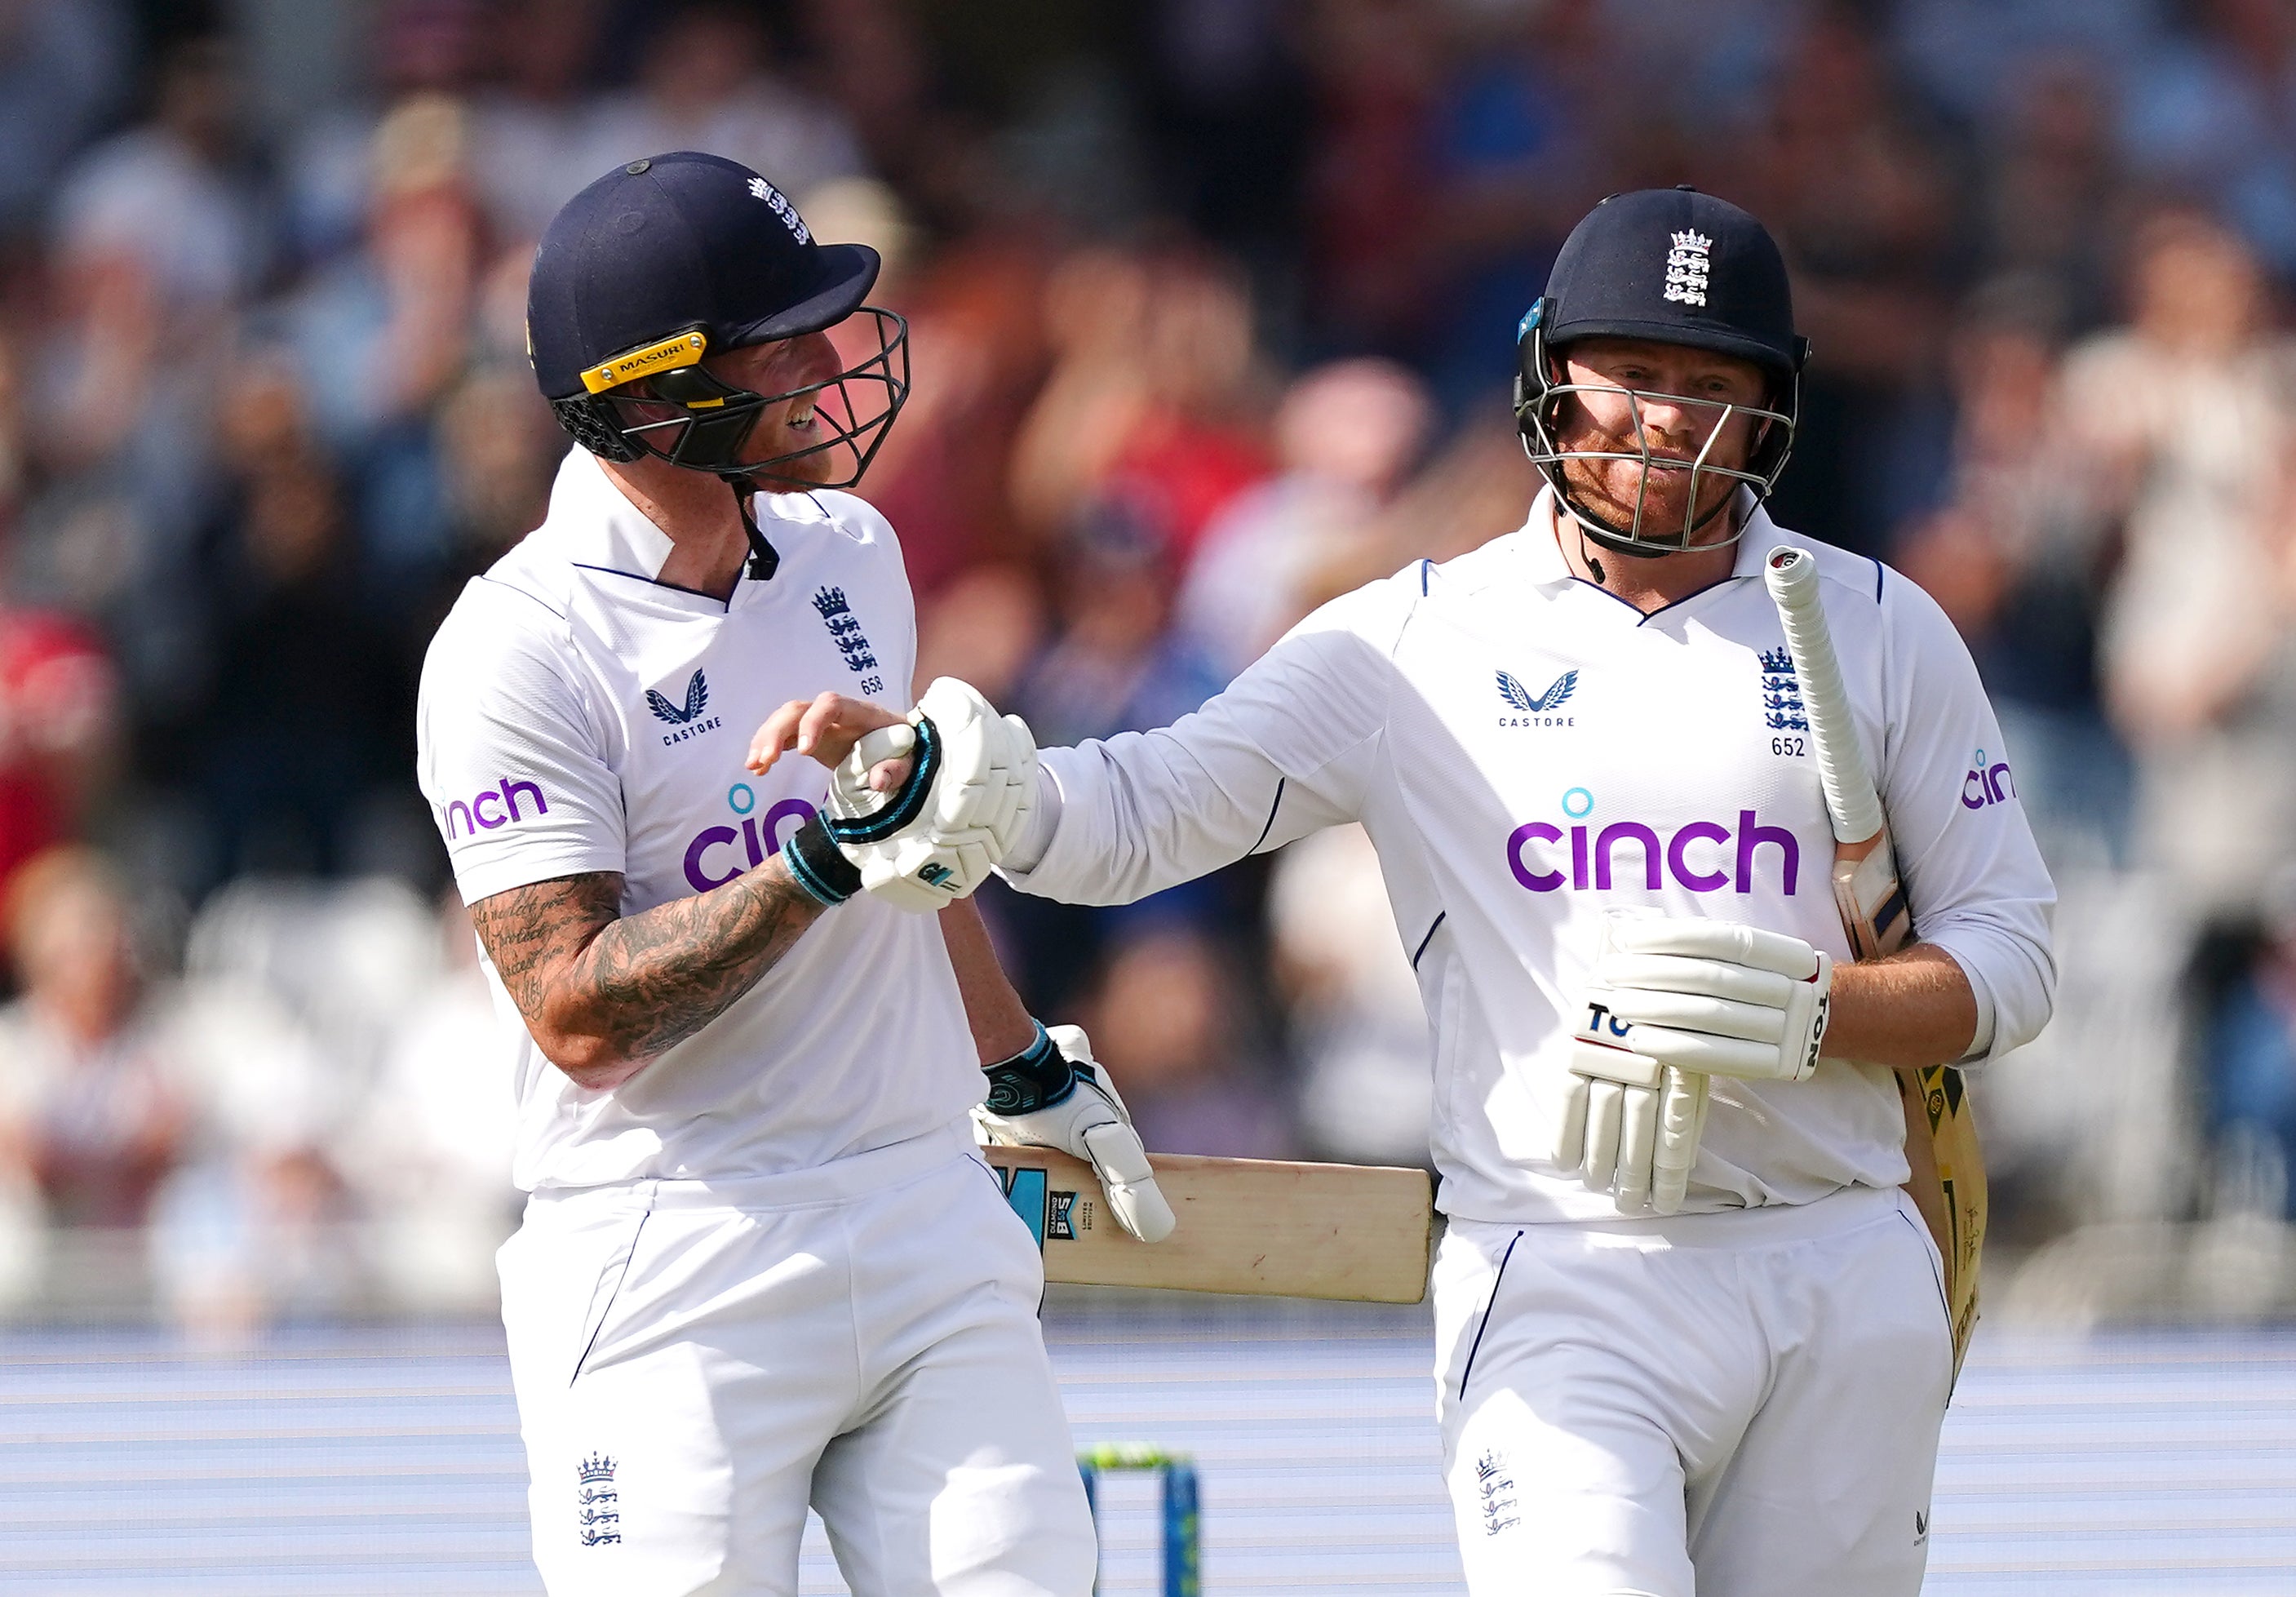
[1038,1077]
[818,866]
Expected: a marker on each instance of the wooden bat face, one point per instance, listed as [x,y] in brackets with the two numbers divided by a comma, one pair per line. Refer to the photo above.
[1259,1227]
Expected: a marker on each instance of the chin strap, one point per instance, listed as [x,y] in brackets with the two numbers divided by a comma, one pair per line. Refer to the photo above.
[765,559]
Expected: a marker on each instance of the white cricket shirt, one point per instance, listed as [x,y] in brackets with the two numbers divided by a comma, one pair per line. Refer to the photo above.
[576,715]
[1528,751]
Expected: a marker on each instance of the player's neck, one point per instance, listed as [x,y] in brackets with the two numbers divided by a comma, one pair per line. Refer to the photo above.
[695,511]
[1647,582]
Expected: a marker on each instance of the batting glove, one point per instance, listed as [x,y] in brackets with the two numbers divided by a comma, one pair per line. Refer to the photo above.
[1717,998]
[1629,1124]
[936,838]
[1054,1094]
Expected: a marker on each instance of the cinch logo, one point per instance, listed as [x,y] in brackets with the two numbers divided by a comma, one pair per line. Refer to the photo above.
[1629,853]
[473,816]
[1987,784]
[760,836]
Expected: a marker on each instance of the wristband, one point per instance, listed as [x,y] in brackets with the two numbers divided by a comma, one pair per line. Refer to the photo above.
[1038,1077]
[819,866]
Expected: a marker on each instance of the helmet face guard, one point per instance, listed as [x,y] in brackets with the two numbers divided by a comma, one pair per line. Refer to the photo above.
[1538,406]
[657,400]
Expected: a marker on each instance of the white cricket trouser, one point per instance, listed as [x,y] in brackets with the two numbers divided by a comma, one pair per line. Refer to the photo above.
[1745,1403]
[696,1361]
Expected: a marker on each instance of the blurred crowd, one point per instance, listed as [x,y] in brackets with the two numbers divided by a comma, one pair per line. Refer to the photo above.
[1213,306]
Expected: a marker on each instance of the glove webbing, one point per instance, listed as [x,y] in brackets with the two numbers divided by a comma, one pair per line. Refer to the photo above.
[1038,1077]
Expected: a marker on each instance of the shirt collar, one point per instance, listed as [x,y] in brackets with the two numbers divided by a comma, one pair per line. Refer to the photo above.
[594,524]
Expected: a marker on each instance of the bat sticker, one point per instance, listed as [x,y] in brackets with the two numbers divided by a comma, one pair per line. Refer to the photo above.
[1050,1215]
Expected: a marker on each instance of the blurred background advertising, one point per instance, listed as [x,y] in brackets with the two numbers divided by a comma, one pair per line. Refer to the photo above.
[1214,305]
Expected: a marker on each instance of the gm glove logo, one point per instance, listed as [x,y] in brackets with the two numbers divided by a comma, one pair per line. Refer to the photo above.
[1534,707]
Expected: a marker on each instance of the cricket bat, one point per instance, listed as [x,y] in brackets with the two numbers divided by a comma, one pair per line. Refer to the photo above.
[1259,1227]
[1948,1184]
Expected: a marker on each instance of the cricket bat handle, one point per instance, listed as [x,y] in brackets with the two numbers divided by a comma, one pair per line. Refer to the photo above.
[1851,801]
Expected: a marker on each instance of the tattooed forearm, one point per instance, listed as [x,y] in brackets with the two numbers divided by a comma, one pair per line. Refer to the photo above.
[603,993]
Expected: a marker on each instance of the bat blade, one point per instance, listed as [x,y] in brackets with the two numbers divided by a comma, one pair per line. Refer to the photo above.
[1871,900]
[1947,1167]
[1257,1227]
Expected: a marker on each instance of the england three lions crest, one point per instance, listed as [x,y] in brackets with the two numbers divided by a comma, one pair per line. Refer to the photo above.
[1688,265]
[597,1506]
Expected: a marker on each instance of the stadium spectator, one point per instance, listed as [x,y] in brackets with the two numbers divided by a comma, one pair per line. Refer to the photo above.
[428,1156]
[1543,114]
[1166,1020]
[380,334]
[705,83]
[526,154]
[304,728]
[1857,177]
[92,1106]
[1357,1027]
[1155,401]
[1374,68]
[164,207]
[2213,116]
[412,48]
[2020,556]
[1096,310]
[498,449]
[63,64]
[2249,1076]
[986,626]
[59,731]
[1116,664]
[2180,424]
[977,338]
[2055,201]
[159,240]
[1347,435]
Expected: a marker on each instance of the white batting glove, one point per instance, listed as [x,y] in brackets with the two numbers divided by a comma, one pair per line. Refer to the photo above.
[1715,997]
[1055,1095]
[966,801]
[1630,1125]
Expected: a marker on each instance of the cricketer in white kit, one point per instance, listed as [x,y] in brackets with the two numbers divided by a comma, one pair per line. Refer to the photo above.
[1576,751]
[763,1265]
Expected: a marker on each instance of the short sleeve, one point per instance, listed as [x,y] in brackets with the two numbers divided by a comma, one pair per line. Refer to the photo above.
[517,773]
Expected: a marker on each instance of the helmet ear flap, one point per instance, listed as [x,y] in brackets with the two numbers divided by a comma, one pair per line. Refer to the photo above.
[591,423]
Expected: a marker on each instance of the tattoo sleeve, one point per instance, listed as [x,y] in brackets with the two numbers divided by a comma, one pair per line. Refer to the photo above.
[603,992]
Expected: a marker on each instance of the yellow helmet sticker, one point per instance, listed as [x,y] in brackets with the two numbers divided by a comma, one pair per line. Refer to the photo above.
[668,355]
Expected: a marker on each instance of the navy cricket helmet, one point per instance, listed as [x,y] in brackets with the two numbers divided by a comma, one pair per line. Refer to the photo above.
[667,260]
[1674,267]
